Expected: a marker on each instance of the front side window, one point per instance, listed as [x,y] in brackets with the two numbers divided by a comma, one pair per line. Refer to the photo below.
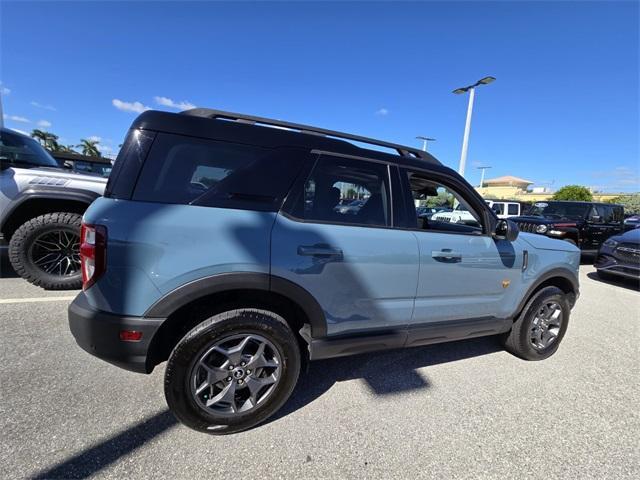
[560,210]
[340,190]
[440,208]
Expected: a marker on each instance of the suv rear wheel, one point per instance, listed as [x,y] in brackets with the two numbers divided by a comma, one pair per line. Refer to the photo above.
[539,329]
[232,371]
[46,251]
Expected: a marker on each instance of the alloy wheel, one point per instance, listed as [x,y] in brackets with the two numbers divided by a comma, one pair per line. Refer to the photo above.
[57,253]
[236,374]
[546,325]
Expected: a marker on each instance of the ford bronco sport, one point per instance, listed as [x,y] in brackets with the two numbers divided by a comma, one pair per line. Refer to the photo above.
[260,272]
[41,207]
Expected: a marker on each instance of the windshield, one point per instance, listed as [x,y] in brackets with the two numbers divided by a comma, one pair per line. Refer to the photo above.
[560,210]
[20,150]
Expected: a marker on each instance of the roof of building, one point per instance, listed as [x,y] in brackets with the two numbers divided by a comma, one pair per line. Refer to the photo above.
[507,180]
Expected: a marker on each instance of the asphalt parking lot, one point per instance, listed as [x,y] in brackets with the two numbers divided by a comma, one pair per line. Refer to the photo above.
[461,410]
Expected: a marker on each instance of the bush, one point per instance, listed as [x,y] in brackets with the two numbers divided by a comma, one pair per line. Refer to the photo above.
[573,192]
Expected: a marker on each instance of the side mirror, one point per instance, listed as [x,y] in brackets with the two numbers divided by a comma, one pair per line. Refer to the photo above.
[507,230]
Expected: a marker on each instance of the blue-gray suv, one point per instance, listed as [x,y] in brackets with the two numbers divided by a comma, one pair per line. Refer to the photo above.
[220,246]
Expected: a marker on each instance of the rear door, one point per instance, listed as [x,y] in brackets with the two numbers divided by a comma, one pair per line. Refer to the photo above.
[362,271]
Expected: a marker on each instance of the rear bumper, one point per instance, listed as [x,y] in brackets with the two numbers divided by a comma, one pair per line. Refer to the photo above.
[609,264]
[98,333]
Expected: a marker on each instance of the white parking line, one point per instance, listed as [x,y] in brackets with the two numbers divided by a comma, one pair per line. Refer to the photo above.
[35,300]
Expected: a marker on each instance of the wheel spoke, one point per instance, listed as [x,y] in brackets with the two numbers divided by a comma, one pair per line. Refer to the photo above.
[255,385]
[227,395]
[258,360]
[47,245]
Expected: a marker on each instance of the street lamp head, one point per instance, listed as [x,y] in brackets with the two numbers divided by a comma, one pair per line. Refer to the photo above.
[458,91]
[486,80]
[419,137]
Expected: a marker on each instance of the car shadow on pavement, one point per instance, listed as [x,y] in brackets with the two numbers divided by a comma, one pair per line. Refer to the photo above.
[628,283]
[385,373]
[103,454]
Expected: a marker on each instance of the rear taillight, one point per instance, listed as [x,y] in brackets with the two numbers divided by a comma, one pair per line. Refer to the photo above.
[93,253]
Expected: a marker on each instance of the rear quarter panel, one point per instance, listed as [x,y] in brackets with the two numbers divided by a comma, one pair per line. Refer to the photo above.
[154,248]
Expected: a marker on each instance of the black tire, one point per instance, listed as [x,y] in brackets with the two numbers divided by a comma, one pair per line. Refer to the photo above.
[518,340]
[21,250]
[178,375]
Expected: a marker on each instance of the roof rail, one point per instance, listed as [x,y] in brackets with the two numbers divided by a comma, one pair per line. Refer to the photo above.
[402,150]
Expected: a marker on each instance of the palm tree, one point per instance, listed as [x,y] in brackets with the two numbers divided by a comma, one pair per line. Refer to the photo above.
[89,147]
[51,142]
[39,135]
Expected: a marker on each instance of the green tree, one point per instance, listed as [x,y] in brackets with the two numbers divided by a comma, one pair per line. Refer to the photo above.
[39,135]
[89,147]
[573,192]
[631,203]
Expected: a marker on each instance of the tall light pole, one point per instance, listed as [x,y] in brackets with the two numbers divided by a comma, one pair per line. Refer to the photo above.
[424,141]
[467,126]
[482,175]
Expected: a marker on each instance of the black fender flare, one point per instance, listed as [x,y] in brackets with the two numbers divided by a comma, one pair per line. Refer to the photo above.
[223,282]
[559,272]
[47,193]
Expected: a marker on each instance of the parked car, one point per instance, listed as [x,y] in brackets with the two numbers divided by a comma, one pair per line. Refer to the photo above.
[584,224]
[505,209]
[619,256]
[460,214]
[631,222]
[41,206]
[428,212]
[351,208]
[84,163]
[237,285]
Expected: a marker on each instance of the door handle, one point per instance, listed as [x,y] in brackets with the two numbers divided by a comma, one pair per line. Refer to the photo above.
[319,251]
[447,255]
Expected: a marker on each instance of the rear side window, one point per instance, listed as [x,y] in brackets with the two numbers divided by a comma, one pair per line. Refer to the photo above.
[187,170]
[512,209]
[346,191]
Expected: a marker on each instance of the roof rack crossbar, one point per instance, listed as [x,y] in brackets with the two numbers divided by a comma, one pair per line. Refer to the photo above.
[402,150]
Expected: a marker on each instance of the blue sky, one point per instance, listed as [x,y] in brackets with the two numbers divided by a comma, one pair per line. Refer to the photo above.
[564,108]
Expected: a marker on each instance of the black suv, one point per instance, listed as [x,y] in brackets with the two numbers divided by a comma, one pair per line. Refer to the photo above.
[585,224]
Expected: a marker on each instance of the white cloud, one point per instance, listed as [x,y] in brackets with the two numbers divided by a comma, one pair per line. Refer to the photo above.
[105,148]
[4,90]
[136,107]
[382,112]
[19,131]
[16,118]
[44,107]
[44,123]
[167,102]
[94,138]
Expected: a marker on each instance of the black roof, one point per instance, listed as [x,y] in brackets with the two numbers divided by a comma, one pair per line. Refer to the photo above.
[239,128]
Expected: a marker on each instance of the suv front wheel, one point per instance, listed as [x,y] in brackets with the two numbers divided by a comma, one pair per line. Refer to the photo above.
[46,251]
[232,371]
[539,329]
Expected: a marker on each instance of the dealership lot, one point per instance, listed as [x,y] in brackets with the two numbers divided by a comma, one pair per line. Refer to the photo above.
[463,410]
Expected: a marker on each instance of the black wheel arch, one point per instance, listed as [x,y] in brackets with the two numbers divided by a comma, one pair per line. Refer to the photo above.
[563,278]
[191,303]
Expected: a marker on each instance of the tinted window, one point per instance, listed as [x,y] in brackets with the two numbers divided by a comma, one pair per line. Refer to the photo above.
[498,208]
[340,190]
[206,172]
[513,209]
[128,164]
[22,151]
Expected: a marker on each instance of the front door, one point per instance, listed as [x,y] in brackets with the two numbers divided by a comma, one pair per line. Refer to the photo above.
[336,239]
[469,282]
